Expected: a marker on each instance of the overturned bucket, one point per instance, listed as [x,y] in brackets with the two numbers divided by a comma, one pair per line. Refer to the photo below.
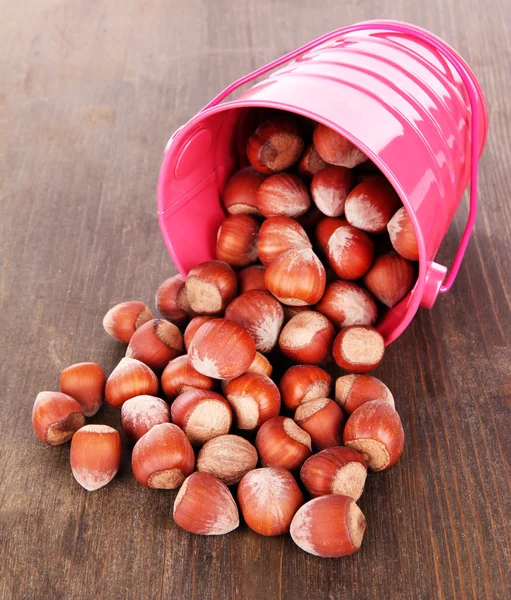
[398,92]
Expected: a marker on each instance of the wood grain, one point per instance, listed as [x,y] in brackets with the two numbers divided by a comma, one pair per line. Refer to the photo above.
[89,93]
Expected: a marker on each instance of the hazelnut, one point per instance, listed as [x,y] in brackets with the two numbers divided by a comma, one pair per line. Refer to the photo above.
[221,349]
[122,320]
[336,470]
[179,376]
[329,526]
[346,303]
[251,278]
[227,457]
[254,398]
[310,163]
[307,338]
[210,287]
[155,343]
[130,378]
[204,505]
[283,195]
[358,349]
[236,242]
[351,391]
[390,278]
[167,300]
[280,442]
[323,420]
[191,329]
[95,455]
[56,417]
[330,188]
[269,499]
[202,415]
[302,383]
[348,250]
[141,413]
[261,365]
[296,277]
[402,235]
[279,234]
[85,382]
[240,192]
[163,457]
[260,314]
[335,149]
[375,431]
[275,145]
[371,204]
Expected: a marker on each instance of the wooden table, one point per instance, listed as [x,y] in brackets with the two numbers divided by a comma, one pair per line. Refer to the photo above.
[89,94]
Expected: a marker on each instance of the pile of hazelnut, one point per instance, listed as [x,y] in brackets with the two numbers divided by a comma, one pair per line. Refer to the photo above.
[195,388]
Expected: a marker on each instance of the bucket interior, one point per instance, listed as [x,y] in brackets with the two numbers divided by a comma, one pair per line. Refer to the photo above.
[199,162]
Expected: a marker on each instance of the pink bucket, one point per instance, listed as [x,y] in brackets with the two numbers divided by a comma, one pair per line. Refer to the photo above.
[398,92]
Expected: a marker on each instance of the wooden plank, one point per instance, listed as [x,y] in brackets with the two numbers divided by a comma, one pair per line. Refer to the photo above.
[89,94]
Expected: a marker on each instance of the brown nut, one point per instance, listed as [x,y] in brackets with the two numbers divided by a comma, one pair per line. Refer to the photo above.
[227,457]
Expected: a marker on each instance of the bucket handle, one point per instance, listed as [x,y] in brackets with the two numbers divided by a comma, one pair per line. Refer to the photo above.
[439,45]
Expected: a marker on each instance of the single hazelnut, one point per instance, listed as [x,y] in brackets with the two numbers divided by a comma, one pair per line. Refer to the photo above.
[329,526]
[336,470]
[141,413]
[261,365]
[349,251]
[163,457]
[323,420]
[280,442]
[283,195]
[56,417]
[330,188]
[130,378]
[402,235]
[358,349]
[279,234]
[335,149]
[210,287]
[251,278]
[221,349]
[371,204]
[179,376]
[122,320]
[310,163]
[346,303]
[240,191]
[191,329]
[202,415]
[275,145]
[390,278]
[204,505]
[375,430]
[95,455]
[260,314]
[351,391]
[296,277]
[307,338]
[302,383]
[155,343]
[85,382]
[167,300]
[269,499]
[254,399]
[236,242]
[227,457]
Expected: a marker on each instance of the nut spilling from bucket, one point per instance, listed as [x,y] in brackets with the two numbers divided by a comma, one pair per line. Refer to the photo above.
[316,248]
